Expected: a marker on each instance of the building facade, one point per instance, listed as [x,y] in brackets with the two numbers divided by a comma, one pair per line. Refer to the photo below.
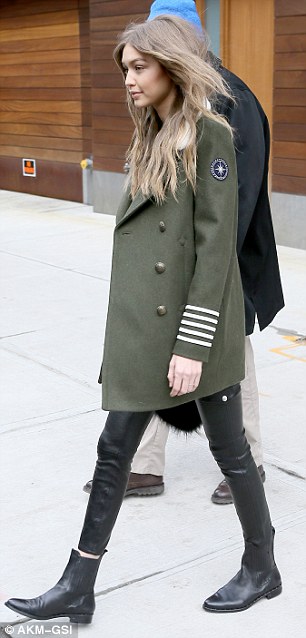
[63,100]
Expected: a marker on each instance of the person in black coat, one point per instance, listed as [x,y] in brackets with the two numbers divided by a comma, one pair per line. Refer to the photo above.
[256,247]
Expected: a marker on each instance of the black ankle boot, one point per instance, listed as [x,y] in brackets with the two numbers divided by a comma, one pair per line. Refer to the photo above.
[258,578]
[72,596]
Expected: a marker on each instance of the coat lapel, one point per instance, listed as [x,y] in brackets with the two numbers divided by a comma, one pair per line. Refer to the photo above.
[123,206]
[129,207]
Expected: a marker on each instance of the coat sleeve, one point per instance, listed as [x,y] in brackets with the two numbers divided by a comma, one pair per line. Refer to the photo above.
[215,231]
[244,117]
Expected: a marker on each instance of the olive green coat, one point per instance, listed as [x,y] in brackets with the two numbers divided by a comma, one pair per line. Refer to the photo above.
[175,286]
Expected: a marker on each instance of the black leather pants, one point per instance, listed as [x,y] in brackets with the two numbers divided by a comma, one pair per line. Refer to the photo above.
[222,420]
[117,445]
[221,416]
[258,576]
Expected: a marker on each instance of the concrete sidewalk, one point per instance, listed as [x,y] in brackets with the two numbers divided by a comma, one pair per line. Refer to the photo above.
[167,553]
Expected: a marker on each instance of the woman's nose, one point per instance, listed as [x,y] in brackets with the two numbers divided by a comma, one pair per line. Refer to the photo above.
[129,81]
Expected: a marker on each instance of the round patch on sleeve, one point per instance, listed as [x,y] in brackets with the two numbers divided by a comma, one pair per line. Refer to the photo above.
[219,169]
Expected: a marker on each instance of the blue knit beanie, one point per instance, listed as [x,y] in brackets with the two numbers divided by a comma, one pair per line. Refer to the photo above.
[185,9]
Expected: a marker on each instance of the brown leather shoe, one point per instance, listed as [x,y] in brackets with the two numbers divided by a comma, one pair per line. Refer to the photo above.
[144,485]
[222,494]
[139,485]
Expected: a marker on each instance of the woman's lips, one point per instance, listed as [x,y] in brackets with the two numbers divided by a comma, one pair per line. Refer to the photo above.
[135,94]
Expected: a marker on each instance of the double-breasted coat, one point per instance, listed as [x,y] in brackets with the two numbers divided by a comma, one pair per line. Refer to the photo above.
[176,286]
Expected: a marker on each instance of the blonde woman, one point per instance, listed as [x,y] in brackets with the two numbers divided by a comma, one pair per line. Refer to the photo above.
[175,327]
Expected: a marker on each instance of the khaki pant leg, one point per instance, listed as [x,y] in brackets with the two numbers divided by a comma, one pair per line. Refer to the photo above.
[250,404]
[150,455]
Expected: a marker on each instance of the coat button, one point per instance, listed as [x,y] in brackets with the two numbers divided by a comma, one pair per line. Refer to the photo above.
[161,310]
[160,267]
[162,227]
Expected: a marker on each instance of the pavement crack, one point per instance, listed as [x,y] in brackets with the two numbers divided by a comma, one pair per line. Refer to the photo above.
[104,592]
[46,263]
[290,472]
[48,419]
[69,374]
[18,334]
[173,568]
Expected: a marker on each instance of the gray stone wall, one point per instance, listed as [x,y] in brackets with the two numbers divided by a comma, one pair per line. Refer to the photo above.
[289,219]
[107,191]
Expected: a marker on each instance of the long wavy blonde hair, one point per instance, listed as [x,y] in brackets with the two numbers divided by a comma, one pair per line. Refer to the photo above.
[156,147]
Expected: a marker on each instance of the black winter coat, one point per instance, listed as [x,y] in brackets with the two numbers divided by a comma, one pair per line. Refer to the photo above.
[255,241]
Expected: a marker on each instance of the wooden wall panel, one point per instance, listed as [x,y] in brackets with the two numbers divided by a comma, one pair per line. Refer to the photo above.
[294,60]
[290,24]
[290,132]
[288,79]
[290,43]
[39,32]
[44,94]
[289,114]
[287,184]
[16,8]
[116,7]
[85,73]
[290,96]
[247,45]
[111,124]
[294,150]
[38,20]
[295,114]
[50,44]
[291,8]
[15,116]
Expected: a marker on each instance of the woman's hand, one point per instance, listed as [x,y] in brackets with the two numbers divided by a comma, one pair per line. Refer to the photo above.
[184,375]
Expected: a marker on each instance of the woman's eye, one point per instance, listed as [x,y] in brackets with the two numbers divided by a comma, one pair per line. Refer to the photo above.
[138,68]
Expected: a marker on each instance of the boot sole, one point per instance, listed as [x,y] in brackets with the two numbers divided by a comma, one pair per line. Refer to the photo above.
[74,618]
[153,490]
[276,591]
[221,501]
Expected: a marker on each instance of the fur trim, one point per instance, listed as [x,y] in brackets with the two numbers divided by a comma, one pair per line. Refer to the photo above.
[184,418]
